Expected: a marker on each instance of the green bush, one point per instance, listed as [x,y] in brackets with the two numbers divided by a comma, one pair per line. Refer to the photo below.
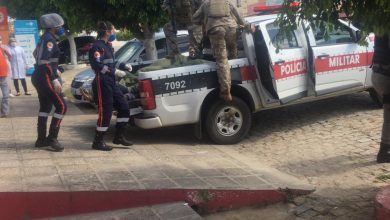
[124,35]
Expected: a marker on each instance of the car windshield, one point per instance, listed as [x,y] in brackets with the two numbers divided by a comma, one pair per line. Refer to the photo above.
[127,51]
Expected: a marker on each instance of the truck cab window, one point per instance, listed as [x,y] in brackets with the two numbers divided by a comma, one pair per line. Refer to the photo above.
[161,47]
[338,35]
[283,42]
[183,43]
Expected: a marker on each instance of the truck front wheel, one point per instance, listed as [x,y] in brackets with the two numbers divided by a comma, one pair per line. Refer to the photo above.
[228,122]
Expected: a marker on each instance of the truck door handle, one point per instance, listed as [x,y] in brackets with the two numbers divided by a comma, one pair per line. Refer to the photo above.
[323,56]
[279,62]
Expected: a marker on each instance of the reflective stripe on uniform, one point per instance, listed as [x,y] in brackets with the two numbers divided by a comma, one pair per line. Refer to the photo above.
[101,128]
[42,62]
[107,61]
[43,114]
[51,60]
[59,116]
[122,119]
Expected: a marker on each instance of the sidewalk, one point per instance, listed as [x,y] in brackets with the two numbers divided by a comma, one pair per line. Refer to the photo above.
[169,163]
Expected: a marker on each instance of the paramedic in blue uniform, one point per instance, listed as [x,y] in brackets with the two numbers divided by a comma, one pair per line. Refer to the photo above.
[45,81]
[106,91]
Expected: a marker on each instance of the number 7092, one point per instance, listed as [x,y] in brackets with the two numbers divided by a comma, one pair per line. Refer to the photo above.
[175,85]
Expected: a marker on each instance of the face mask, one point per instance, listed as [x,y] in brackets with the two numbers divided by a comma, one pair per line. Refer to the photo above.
[13,44]
[112,37]
[60,31]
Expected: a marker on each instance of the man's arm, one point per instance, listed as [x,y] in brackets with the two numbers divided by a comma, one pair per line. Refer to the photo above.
[95,59]
[236,14]
[197,18]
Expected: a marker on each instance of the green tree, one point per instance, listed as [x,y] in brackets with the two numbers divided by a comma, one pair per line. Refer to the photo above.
[142,17]
[368,15]
[70,10]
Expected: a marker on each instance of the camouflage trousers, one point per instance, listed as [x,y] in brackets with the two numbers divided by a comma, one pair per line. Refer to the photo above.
[195,37]
[224,43]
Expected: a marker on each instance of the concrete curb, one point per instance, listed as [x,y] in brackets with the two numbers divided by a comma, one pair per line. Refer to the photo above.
[30,205]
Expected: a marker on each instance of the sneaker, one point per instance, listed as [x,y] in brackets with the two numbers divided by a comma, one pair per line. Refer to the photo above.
[11,95]
[17,94]
[27,93]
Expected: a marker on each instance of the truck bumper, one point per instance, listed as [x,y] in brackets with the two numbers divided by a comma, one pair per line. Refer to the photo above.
[147,121]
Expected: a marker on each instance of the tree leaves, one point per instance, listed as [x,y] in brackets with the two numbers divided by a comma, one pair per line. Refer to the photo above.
[368,15]
[80,15]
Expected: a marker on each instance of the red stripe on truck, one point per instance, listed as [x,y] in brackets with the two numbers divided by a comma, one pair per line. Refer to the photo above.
[288,69]
[341,62]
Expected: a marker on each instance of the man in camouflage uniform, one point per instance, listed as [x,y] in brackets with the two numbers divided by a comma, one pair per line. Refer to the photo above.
[183,11]
[220,18]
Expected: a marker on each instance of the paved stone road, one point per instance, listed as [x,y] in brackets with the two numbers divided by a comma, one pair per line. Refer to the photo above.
[331,143]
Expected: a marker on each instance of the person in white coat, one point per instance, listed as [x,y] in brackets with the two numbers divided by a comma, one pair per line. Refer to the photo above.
[18,66]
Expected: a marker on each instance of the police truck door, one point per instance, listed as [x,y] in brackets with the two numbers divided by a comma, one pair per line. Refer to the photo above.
[288,65]
[339,61]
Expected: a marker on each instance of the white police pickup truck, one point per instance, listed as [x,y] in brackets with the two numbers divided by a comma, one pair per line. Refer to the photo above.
[306,68]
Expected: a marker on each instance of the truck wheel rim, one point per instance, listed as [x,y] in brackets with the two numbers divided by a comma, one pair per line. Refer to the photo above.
[229,121]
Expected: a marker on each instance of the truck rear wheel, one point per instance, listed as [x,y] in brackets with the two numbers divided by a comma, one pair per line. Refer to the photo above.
[228,122]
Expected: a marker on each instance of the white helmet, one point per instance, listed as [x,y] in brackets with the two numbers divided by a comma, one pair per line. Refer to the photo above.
[51,20]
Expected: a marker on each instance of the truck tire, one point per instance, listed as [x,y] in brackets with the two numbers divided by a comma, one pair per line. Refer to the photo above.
[228,122]
[376,98]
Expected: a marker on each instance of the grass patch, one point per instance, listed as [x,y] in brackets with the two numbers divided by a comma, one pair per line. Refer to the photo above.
[384,177]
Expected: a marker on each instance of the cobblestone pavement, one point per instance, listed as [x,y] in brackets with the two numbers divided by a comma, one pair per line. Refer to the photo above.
[331,143]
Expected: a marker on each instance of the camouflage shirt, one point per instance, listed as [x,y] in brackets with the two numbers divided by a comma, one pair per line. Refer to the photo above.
[201,17]
[183,14]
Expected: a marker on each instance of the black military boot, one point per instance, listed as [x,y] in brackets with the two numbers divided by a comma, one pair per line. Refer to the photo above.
[120,138]
[51,139]
[383,154]
[41,140]
[98,142]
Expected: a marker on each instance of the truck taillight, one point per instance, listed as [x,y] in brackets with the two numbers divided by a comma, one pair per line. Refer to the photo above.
[146,93]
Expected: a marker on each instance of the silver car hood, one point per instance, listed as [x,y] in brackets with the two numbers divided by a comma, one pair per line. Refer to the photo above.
[85,75]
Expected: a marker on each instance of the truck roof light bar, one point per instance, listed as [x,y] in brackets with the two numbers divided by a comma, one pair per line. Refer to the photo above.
[273,9]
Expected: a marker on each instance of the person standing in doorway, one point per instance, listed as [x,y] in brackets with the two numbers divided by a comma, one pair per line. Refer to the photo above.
[18,65]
